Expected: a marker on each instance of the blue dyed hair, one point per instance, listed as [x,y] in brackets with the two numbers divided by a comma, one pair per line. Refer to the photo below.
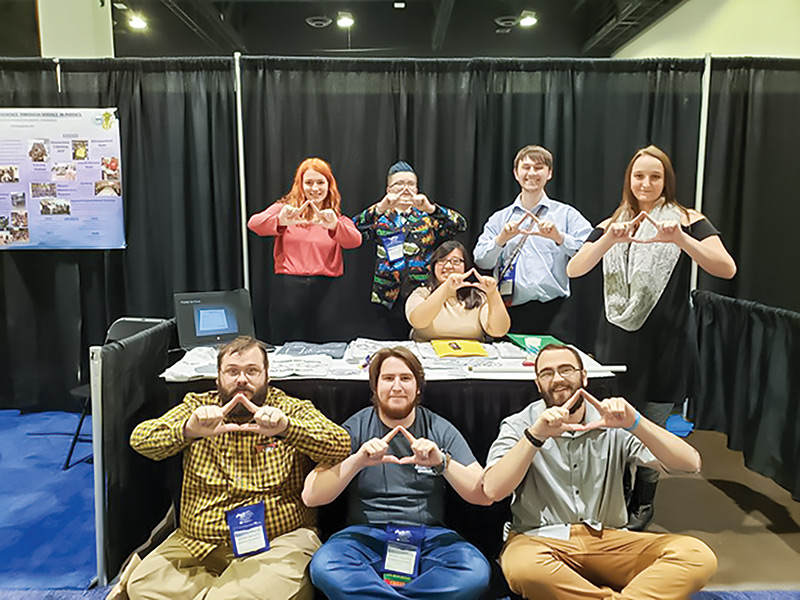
[400,166]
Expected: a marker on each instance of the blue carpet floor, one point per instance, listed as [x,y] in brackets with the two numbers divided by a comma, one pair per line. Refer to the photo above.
[46,514]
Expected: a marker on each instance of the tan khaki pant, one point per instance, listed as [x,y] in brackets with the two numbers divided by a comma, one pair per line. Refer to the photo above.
[170,572]
[612,564]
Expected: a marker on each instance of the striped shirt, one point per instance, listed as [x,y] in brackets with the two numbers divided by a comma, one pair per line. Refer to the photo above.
[236,469]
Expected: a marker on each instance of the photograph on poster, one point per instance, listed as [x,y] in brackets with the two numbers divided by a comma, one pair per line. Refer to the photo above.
[54,206]
[19,218]
[20,235]
[18,199]
[107,188]
[43,190]
[80,149]
[64,172]
[3,222]
[39,150]
[110,166]
[9,174]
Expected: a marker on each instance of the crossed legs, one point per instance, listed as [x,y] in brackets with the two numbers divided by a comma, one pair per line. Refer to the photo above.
[612,564]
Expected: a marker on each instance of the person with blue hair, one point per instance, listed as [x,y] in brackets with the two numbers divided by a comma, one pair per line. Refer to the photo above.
[406,226]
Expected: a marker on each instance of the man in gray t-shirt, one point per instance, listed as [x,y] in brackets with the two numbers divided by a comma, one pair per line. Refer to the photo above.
[395,545]
[563,458]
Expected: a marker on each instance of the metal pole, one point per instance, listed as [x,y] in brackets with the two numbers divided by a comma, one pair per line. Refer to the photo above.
[701,152]
[96,386]
[237,56]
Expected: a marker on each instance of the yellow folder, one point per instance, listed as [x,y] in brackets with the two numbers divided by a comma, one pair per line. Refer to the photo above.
[458,348]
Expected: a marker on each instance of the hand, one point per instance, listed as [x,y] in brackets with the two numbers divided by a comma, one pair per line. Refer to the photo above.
[486,283]
[669,232]
[426,452]
[422,203]
[624,232]
[267,420]
[326,218]
[290,215]
[208,421]
[387,203]
[373,451]
[553,421]
[614,412]
[510,230]
[454,282]
[545,229]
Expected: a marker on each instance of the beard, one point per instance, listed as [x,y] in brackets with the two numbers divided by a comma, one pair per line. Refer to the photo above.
[239,414]
[558,394]
[396,413]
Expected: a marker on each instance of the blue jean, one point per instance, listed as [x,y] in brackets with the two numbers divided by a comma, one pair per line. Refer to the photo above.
[349,565]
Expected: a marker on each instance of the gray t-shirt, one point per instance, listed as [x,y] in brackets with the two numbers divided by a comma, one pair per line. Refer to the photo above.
[574,478]
[389,493]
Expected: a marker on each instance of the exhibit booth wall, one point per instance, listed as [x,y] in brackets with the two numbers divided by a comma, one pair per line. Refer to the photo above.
[459,122]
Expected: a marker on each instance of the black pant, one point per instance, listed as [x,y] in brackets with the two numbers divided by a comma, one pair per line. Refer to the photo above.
[300,308]
[543,318]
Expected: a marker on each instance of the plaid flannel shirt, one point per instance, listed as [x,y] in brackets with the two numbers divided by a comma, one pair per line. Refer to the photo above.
[236,469]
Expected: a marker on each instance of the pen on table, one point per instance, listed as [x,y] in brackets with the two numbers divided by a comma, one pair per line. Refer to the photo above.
[365,364]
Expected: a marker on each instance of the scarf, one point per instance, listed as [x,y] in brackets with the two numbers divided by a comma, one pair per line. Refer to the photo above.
[635,275]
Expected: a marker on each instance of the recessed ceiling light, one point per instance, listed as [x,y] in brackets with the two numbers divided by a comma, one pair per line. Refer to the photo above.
[137,22]
[399,5]
[506,21]
[120,6]
[345,20]
[319,21]
[527,18]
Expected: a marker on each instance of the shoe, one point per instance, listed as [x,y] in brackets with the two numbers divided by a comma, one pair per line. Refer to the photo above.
[640,518]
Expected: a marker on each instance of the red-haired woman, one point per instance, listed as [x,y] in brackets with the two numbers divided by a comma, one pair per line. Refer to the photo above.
[647,247]
[310,232]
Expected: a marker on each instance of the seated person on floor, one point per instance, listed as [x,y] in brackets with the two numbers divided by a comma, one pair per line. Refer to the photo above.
[247,448]
[563,458]
[402,453]
[456,302]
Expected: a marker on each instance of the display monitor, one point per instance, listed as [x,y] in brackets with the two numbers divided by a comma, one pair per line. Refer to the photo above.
[213,318]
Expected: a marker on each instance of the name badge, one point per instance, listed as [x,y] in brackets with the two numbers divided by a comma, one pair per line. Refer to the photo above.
[246,524]
[403,546]
[506,284]
[393,244]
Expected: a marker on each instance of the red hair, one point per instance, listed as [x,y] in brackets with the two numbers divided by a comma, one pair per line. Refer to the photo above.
[296,197]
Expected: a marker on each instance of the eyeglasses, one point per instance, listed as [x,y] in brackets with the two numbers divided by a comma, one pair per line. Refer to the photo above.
[566,371]
[453,262]
[249,372]
[412,185]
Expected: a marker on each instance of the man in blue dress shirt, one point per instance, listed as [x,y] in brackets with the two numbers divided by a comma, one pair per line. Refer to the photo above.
[528,245]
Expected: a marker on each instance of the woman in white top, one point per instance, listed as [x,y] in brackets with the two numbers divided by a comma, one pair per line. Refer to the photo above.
[457,302]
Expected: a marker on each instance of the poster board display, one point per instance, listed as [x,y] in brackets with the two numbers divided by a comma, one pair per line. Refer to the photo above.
[60,179]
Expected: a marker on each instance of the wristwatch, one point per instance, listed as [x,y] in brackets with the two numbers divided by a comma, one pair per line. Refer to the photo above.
[537,443]
[442,466]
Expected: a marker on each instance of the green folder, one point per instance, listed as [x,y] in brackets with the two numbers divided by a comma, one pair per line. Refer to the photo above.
[532,343]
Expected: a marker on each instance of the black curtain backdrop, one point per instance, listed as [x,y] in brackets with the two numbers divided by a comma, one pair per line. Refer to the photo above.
[749,382]
[181,216]
[459,122]
[750,189]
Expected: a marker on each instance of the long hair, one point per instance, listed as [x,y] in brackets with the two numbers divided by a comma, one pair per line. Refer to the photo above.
[629,206]
[402,353]
[468,296]
[296,197]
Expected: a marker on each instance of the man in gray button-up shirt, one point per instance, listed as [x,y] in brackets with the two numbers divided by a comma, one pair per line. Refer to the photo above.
[563,458]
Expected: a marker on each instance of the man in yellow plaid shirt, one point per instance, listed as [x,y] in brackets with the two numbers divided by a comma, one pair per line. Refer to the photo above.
[244,531]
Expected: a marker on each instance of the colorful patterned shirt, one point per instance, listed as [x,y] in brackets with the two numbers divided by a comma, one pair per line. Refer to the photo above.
[422,232]
[236,469]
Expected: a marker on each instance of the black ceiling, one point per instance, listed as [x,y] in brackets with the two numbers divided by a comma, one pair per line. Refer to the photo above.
[424,28]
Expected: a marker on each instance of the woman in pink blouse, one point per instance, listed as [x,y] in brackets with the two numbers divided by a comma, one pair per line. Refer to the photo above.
[310,232]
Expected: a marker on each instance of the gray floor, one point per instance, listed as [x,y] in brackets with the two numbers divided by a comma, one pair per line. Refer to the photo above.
[751,522]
